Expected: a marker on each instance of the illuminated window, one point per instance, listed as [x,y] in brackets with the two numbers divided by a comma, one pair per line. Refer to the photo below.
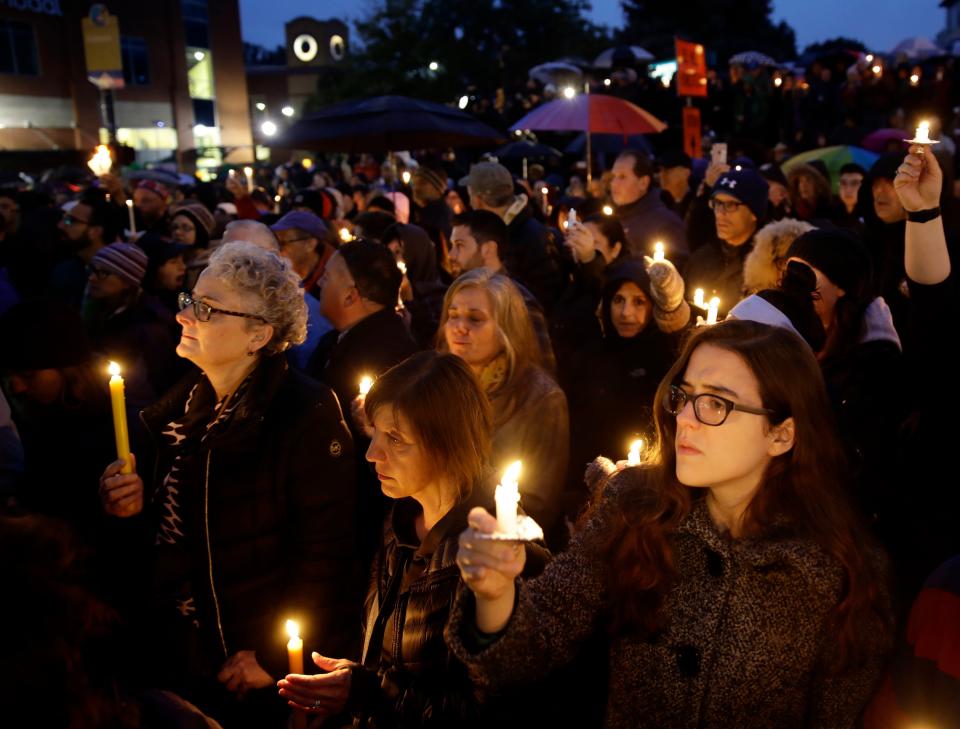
[200,73]
[18,49]
[136,63]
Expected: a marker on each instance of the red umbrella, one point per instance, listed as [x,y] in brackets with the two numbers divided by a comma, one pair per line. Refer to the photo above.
[877,141]
[593,114]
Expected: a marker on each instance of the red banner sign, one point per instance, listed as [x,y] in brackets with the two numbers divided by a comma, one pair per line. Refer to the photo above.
[691,69]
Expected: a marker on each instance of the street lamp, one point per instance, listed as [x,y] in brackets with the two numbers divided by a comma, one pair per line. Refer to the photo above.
[434,66]
[268,128]
[287,111]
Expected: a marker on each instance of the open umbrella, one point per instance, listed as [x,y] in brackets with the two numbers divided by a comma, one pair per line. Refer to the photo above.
[834,158]
[880,140]
[622,56]
[556,72]
[592,114]
[385,123]
[752,59]
[917,48]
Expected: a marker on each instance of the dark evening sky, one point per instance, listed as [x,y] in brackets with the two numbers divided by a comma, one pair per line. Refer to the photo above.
[880,24]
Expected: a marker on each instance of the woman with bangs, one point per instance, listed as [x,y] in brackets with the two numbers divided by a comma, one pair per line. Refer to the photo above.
[430,448]
[735,582]
[486,323]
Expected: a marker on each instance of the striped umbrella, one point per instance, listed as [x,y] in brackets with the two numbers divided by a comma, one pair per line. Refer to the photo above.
[622,56]
[834,158]
[593,114]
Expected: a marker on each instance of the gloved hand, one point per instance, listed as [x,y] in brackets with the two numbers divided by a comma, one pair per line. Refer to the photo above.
[666,284]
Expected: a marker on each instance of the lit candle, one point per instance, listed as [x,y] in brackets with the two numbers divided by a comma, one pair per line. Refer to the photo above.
[713,310]
[633,457]
[507,496]
[405,177]
[295,661]
[366,382]
[345,235]
[248,171]
[403,272]
[698,299]
[608,210]
[133,223]
[922,135]
[101,162]
[658,252]
[118,403]
[546,203]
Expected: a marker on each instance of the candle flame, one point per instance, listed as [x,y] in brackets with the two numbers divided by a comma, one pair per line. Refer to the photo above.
[366,382]
[406,177]
[129,203]
[101,161]
[403,267]
[114,369]
[512,475]
[636,446]
[607,210]
[293,629]
[345,235]
[307,163]
[544,190]
[248,171]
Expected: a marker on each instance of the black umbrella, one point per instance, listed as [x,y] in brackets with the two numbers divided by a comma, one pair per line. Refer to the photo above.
[385,123]
[525,149]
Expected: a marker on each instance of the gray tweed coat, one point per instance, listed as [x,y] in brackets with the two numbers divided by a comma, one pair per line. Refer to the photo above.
[747,642]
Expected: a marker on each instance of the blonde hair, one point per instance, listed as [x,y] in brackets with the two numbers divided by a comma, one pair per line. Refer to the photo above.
[764,264]
[510,313]
[268,278]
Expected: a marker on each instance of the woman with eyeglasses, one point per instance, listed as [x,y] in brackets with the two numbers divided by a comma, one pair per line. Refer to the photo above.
[251,508]
[733,579]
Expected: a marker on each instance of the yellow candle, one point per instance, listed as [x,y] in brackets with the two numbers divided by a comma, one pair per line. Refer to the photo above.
[117,401]
[366,382]
[658,252]
[713,310]
[633,457]
[295,661]
[507,497]
[248,171]
[133,223]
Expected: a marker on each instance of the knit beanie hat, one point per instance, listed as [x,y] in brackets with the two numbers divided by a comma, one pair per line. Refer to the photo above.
[838,253]
[201,218]
[126,260]
[157,188]
[747,186]
[886,166]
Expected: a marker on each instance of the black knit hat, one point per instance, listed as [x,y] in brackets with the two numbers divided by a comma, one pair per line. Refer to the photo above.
[836,252]
[43,334]
[886,167]
[747,186]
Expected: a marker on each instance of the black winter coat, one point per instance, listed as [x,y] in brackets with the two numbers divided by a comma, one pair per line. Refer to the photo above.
[532,257]
[268,524]
[649,220]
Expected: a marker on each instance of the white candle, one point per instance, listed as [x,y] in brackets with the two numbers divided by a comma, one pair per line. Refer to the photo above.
[507,497]
[248,171]
[524,168]
[633,457]
[658,252]
[403,272]
[923,133]
[366,382]
[133,224]
[698,300]
[713,310]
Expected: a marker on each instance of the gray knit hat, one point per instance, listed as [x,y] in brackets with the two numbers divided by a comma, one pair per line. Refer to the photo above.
[126,260]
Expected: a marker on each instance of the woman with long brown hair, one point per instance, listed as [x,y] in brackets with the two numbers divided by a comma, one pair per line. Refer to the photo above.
[732,575]
[486,323]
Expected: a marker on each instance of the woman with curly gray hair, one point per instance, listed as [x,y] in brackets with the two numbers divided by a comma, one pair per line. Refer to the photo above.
[251,514]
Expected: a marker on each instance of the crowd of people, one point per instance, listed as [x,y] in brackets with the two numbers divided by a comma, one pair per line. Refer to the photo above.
[784,553]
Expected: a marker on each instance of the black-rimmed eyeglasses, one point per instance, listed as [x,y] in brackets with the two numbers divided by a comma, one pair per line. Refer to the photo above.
[708,408]
[203,311]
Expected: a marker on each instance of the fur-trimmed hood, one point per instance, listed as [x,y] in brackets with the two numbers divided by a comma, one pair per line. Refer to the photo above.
[770,246]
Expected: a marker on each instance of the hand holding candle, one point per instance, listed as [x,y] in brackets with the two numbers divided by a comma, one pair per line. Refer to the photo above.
[101,161]
[922,135]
